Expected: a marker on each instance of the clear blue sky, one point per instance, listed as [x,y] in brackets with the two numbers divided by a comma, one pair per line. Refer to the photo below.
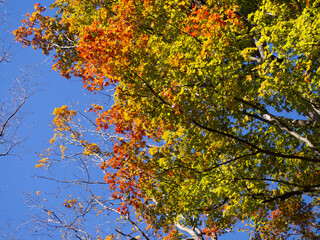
[50,91]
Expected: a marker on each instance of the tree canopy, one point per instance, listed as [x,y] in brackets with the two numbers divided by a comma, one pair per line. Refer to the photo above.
[216,109]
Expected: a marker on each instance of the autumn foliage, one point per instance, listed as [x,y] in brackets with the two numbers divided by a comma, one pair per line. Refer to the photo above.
[215,108]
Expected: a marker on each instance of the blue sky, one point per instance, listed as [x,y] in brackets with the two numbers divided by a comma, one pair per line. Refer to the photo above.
[50,91]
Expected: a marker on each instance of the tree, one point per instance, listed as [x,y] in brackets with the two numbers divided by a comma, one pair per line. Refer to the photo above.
[88,209]
[10,106]
[216,107]
[13,96]
[10,118]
